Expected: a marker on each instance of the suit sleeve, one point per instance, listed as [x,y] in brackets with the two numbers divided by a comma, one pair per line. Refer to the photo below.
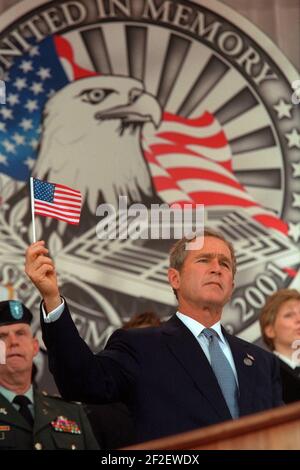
[89,438]
[81,375]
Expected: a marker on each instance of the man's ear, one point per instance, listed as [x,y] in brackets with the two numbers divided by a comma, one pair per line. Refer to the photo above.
[36,346]
[174,278]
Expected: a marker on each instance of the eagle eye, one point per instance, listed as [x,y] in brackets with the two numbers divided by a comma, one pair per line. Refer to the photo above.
[95,95]
[135,94]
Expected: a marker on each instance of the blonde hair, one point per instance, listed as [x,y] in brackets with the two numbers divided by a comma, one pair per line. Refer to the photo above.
[144,319]
[270,311]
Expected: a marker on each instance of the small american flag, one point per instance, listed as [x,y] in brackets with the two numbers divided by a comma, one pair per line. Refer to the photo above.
[57,201]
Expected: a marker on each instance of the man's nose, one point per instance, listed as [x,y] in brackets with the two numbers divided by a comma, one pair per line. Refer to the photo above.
[215,265]
[12,339]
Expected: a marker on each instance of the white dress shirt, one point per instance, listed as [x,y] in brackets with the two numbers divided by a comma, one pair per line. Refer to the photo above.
[196,329]
[54,314]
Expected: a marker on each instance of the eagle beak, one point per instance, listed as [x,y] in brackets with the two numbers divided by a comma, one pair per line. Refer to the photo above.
[143,107]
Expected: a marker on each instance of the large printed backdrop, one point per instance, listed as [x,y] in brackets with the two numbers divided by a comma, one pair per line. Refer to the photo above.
[162,101]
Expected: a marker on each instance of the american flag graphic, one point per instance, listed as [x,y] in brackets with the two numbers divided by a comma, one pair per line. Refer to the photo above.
[190,159]
[30,82]
[57,201]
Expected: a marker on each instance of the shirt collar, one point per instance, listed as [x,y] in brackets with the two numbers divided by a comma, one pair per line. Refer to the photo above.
[287,360]
[196,327]
[10,395]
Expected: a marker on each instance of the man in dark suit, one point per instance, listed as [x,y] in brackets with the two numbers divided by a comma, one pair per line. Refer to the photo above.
[187,373]
[30,419]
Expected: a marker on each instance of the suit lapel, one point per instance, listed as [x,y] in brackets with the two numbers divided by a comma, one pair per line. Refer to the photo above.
[189,354]
[245,365]
[8,414]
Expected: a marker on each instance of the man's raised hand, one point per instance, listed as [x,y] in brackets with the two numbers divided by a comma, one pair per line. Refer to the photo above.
[41,270]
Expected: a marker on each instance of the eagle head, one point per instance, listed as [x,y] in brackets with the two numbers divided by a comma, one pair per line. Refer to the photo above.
[91,138]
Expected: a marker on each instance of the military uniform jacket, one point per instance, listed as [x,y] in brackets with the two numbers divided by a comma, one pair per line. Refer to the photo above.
[57,425]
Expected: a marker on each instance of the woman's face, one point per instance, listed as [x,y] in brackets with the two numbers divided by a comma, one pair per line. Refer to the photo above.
[286,328]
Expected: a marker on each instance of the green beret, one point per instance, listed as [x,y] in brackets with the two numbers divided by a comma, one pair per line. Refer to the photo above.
[13,311]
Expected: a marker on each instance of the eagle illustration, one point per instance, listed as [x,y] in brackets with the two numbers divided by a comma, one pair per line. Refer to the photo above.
[92,138]
[91,141]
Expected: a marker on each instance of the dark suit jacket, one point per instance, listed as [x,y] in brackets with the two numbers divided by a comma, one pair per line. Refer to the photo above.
[290,379]
[112,425]
[161,374]
[16,433]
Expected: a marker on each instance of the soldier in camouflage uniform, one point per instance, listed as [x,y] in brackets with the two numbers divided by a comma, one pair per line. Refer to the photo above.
[30,419]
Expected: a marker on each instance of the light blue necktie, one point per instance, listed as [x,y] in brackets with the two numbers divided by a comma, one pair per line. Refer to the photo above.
[223,372]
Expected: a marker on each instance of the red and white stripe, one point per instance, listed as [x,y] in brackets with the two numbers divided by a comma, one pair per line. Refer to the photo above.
[66,205]
[191,161]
